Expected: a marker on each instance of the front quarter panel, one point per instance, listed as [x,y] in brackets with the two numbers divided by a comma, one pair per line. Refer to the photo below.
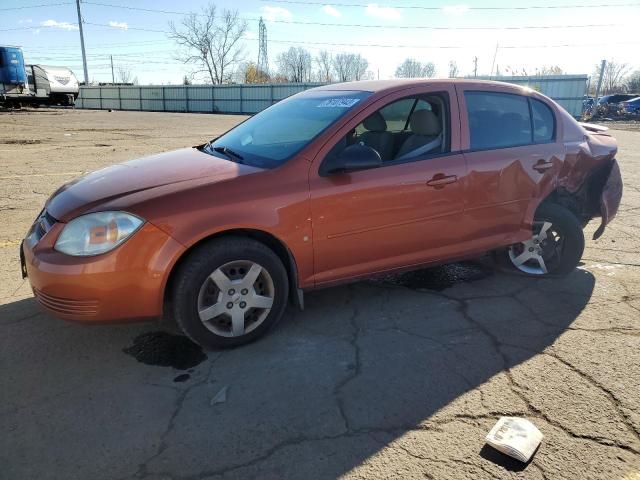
[272,201]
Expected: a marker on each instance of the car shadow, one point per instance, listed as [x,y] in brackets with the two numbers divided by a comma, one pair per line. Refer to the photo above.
[330,387]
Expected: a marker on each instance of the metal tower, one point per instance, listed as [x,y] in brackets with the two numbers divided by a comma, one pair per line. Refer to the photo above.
[263,61]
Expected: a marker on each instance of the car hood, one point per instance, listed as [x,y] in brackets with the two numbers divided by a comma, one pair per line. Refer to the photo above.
[186,165]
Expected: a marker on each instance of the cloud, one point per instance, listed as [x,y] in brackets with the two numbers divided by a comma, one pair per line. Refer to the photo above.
[386,13]
[455,9]
[273,14]
[331,10]
[36,31]
[60,25]
[120,25]
[25,20]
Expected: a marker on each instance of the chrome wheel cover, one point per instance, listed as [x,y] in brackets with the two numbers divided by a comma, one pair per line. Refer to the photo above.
[541,253]
[236,298]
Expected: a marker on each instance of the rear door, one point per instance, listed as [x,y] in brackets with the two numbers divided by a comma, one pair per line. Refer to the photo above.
[510,145]
[406,212]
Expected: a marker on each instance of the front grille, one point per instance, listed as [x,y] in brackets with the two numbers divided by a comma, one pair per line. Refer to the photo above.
[65,306]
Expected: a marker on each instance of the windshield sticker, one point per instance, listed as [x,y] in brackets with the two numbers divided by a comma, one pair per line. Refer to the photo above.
[338,102]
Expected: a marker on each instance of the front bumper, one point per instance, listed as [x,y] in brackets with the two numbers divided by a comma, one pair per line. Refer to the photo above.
[124,284]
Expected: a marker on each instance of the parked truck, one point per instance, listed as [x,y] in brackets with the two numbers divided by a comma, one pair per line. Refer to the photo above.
[22,84]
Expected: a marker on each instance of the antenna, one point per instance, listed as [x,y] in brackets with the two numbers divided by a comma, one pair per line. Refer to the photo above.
[263,61]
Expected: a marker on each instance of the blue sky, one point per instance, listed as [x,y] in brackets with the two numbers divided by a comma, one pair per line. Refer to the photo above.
[385,36]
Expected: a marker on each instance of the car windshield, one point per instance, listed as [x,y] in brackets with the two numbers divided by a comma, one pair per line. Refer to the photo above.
[274,135]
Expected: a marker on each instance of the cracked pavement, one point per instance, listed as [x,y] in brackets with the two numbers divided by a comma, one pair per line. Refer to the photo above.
[396,377]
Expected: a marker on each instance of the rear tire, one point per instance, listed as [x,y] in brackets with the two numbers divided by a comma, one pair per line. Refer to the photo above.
[554,249]
[229,292]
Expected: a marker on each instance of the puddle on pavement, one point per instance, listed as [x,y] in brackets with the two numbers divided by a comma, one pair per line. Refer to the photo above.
[166,350]
[440,277]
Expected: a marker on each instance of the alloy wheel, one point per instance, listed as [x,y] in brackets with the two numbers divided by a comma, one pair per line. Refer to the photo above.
[541,253]
[236,298]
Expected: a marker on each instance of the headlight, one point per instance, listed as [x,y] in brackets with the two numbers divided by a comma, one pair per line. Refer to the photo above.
[96,233]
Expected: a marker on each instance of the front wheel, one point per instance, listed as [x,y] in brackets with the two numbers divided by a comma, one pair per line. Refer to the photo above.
[229,292]
[555,247]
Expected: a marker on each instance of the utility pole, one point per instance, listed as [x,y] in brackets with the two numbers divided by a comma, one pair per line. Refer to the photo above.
[113,77]
[475,67]
[602,67]
[84,55]
[494,61]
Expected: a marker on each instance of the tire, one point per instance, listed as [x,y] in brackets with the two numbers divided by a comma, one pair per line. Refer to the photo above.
[231,281]
[557,238]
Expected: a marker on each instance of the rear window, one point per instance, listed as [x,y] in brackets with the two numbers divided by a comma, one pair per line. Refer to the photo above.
[543,122]
[498,120]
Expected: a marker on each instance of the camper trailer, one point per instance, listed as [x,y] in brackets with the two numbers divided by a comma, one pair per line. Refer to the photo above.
[22,84]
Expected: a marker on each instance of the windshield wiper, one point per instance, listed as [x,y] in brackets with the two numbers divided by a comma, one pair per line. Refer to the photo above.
[229,153]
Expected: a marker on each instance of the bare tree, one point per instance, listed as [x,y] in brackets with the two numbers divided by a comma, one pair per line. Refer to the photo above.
[212,41]
[412,68]
[350,66]
[549,70]
[612,78]
[632,83]
[429,70]
[453,69]
[295,64]
[125,75]
[324,62]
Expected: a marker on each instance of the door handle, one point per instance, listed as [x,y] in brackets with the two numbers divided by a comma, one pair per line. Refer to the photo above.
[439,180]
[542,166]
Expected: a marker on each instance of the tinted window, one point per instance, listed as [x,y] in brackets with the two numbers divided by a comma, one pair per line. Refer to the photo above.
[274,135]
[543,122]
[497,120]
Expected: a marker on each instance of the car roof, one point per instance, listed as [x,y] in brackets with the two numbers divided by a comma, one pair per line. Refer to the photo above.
[377,86]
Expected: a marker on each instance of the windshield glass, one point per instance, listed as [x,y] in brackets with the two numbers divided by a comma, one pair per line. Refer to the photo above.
[274,135]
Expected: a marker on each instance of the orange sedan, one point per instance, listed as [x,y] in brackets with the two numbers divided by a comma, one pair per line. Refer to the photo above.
[328,186]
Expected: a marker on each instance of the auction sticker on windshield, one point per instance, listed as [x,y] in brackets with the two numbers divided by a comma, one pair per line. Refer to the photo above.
[338,102]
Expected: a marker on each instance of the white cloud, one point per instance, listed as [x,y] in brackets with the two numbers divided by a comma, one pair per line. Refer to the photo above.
[36,31]
[386,13]
[26,20]
[272,14]
[331,10]
[120,25]
[60,25]
[455,9]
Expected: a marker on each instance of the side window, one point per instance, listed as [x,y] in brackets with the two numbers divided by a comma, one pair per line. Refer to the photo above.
[497,120]
[397,113]
[403,131]
[543,122]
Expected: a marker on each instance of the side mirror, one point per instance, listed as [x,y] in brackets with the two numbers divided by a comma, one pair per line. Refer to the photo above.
[354,157]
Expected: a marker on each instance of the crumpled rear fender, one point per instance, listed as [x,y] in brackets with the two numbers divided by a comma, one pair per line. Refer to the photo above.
[610,197]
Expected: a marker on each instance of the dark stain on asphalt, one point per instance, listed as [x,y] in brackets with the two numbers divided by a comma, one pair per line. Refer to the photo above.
[166,350]
[182,378]
[441,277]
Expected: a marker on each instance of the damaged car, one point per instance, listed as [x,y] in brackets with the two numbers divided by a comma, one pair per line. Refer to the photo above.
[331,185]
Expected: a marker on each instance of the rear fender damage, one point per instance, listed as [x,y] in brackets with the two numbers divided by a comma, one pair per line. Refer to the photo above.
[598,196]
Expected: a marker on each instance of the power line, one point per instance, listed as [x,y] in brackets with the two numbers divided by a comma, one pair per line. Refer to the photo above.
[421,7]
[360,25]
[127,7]
[35,27]
[36,6]
[379,45]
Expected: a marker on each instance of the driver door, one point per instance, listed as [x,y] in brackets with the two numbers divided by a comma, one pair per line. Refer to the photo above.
[404,213]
